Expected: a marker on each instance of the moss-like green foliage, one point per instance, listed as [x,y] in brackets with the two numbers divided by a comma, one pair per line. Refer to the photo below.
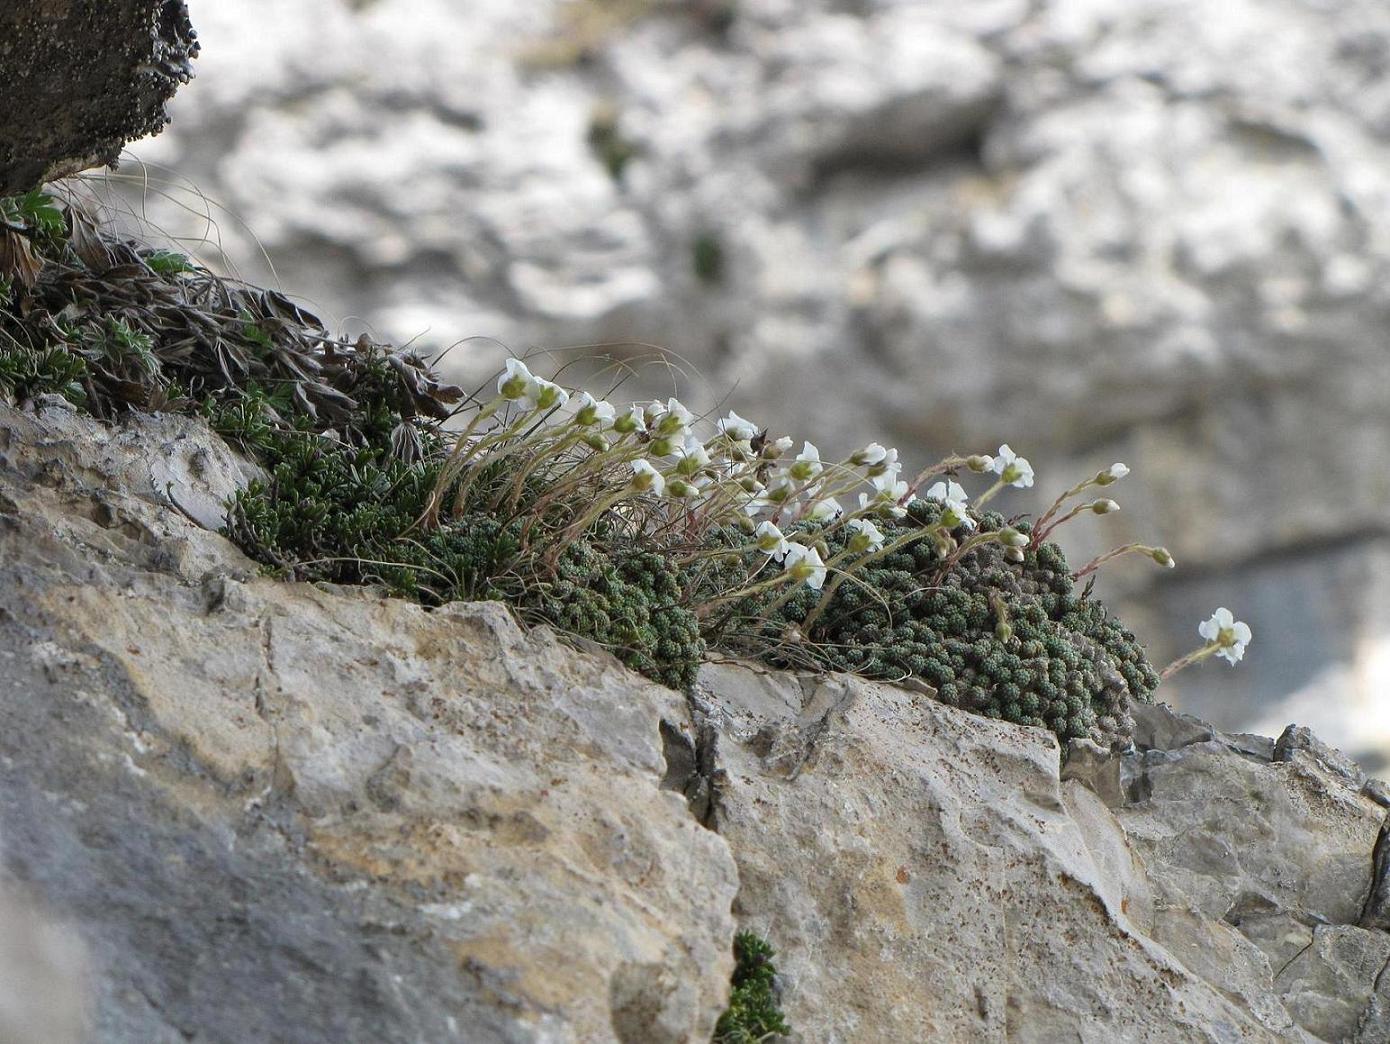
[753,1014]
[1062,662]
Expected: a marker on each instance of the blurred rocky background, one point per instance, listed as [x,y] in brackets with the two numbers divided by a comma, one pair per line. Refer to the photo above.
[1154,231]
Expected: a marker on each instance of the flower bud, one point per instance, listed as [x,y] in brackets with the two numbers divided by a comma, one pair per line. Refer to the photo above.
[871,454]
[596,442]
[645,478]
[681,489]
[1104,507]
[1003,630]
[1162,557]
[1014,555]
[979,463]
[777,447]
[663,447]
[1111,474]
[1011,537]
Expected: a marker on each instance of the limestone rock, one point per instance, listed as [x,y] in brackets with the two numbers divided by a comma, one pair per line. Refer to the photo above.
[928,875]
[284,812]
[80,78]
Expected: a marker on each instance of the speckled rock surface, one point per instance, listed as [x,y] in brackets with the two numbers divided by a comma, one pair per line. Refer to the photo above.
[80,78]
[927,875]
[279,812]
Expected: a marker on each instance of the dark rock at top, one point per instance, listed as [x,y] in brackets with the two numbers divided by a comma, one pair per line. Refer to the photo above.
[80,78]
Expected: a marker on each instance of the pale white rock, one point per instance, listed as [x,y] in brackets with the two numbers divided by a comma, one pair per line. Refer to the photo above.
[279,809]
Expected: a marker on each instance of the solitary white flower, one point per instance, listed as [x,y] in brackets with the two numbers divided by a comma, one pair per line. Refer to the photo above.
[1111,474]
[1012,468]
[870,455]
[737,428]
[952,496]
[805,563]
[593,411]
[1230,634]
[514,383]
[808,464]
[867,536]
[646,479]
[825,510]
[770,540]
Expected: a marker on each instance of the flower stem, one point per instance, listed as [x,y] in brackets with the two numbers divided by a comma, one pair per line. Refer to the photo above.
[1196,656]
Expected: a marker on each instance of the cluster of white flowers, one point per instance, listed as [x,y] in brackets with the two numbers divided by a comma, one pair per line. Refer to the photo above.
[742,477]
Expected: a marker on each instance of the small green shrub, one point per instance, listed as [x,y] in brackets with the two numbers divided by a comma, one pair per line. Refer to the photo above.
[753,1014]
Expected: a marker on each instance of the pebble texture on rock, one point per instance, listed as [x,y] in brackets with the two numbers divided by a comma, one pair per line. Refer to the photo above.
[239,809]
[80,78]
[1153,231]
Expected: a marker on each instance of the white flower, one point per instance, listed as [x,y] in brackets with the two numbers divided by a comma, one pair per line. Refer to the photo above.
[543,394]
[867,536]
[673,419]
[1111,474]
[952,496]
[888,484]
[808,464]
[516,381]
[1230,634]
[593,411]
[805,563]
[646,479]
[882,504]
[1012,468]
[886,464]
[737,428]
[869,456]
[633,420]
[770,540]
[825,510]
[694,458]
[777,447]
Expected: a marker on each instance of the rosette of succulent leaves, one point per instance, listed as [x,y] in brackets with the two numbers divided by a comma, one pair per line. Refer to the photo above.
[640,527]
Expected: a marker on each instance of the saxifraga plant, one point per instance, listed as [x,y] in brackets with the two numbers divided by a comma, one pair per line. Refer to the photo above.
[754,1014]
[625,527]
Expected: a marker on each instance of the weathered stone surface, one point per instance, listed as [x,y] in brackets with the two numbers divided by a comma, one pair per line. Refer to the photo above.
[42,987]
[923,878]
[80,78]
[283,812]
[277,811]
[929,876]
